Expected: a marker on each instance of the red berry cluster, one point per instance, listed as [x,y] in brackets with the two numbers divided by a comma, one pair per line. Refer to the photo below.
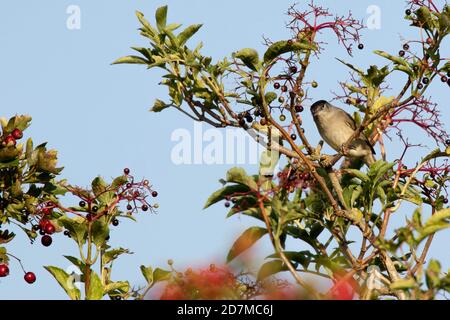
[11,139]
[211,283]
[291,179]
[29,277]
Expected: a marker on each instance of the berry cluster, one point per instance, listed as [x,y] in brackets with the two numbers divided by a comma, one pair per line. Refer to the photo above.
[11,139]
[291,179]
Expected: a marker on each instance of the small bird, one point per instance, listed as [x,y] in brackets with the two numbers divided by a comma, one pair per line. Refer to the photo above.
[336,126]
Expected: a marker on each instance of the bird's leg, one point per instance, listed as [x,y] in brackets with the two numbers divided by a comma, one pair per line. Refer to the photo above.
[344,150]
[326,160]
[316,156]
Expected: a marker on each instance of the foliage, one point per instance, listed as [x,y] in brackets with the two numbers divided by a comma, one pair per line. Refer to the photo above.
[311,200]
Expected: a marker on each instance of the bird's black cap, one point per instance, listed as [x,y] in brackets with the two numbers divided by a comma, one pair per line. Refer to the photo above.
[318,103]
[317,106]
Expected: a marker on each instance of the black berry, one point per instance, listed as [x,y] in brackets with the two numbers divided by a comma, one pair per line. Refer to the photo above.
[46,240]
[82,204]
[115,222]
[401,53]
[126,171]
[144,207]
[425,80]
[276,85]
[360,46]
[406,47]
[408,12]
[293,136]
[298,108]
[154,194]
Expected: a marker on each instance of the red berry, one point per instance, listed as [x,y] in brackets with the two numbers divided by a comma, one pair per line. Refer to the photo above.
[4,270]
[298,108]
[10,140]
[17,134]
[49,228]
[293,69]
[30,277]
[284,88]
[46,240]
[126,171]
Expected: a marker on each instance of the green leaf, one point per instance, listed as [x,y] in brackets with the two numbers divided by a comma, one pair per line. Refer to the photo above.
[238,175]
[100,231]
[438,217]
[159,106]
[95,290]
[270,268]
[281,47]
[270,97]
[432,274]
[223,193]
[65,281]
[245,241]
[359,71]
[395,59]
[187,33]
[78,230]
[426,19]
[161,17]
[147,26]
[161,275]
[357,173]
[118,182]
[99,186]
[304,258]
[249,57]
[147,272]
[122,286]
[113,254]
[76,262]
[403,284]
[131,60]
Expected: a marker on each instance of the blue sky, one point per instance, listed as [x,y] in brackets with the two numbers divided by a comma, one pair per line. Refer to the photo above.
[96,116]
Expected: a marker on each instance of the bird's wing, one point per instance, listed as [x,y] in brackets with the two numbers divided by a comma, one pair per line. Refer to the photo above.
[352,124]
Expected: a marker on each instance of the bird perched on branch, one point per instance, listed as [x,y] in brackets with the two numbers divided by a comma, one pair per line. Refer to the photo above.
[336,126]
